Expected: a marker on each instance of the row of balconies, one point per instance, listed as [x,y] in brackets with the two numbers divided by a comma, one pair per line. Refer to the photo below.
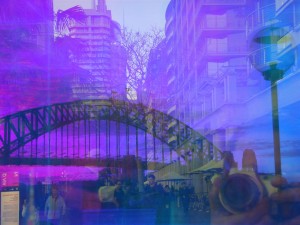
[275,38]
[263,57]
[223,3]
[260,18]
[220,52]
[207,25]
[216,27]
[281,4]
[217,6]
[170,10]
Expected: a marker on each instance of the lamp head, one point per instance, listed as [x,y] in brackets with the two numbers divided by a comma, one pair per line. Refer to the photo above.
[268,54]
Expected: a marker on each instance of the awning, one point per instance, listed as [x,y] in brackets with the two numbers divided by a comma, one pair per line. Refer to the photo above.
[210,167]
[172,176]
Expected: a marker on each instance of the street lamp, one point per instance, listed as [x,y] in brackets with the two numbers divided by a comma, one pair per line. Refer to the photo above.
[265,58]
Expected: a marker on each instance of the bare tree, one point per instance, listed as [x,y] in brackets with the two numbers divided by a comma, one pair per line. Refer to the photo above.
[138,46]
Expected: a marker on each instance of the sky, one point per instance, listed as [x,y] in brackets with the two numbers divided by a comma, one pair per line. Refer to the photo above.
[139,15]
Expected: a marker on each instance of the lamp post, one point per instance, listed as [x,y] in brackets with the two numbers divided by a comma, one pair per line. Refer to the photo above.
[273,75]
[272,69]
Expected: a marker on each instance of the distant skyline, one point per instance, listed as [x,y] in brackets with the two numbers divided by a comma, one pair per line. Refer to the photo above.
[139,15]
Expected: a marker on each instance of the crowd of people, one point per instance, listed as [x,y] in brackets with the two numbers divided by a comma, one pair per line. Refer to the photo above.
[282,207]
[123,194]
[55,209]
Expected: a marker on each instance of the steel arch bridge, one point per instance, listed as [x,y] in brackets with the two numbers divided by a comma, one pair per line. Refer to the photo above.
[91,131]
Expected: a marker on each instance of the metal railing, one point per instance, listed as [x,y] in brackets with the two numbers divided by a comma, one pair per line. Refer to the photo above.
[261,17]
[222,2]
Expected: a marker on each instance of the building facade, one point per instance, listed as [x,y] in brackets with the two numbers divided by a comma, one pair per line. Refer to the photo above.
[156,79]
[207,52]
[273,27]
[27,36]
[216,53]
[104,56]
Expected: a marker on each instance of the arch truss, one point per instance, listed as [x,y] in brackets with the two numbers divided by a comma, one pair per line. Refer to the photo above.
[31,127]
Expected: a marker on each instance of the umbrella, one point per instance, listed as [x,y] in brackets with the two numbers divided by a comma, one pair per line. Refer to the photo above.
[210,167]
[172,176]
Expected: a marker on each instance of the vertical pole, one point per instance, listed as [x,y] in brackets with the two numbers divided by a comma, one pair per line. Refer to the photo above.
[61,141]
[96,138]
[99,126]
[118,138]
[67,141]
[56,145]
[78,137]
[89,136]
[276,134]
[127,138]
[85,143]
[109,119]
[136,142]
[73,139]
[146,152]
[106,137]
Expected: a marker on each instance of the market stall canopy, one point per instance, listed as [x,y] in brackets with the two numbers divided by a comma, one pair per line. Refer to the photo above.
[172,176]
[210,167]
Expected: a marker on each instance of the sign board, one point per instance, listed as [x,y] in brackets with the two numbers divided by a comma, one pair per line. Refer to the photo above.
[10,208]
[9,179]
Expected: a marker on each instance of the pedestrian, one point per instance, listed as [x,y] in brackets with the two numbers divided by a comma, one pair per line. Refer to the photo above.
[106,196]
[119,195]
[130,196]
[30,213]
[167,207]
[184,195]
[55,207]
[154,197]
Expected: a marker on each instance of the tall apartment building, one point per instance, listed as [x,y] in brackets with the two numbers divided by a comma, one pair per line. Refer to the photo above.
[216,52]
[156,92]
[26,39]
[207,68]
[273,31]
[104,56]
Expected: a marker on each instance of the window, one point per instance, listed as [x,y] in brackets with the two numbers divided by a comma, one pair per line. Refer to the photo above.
[213,68]
[216,21]
[217,45]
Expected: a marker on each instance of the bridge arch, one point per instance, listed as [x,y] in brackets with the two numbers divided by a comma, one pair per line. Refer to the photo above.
[21,128]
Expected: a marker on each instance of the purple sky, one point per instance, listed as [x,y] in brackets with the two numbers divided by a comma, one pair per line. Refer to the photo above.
[136,14]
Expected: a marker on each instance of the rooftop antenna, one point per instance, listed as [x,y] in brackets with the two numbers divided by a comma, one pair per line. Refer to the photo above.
[93,5]
[123,19]
[101,6]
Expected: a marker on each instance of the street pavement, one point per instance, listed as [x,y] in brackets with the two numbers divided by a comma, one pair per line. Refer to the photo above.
[193,217]
[143,217]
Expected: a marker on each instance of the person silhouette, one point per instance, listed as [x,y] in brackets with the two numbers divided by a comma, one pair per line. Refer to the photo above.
[260,214]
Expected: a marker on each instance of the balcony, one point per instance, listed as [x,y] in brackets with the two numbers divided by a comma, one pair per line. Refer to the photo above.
[172,109]
[170,70]
[169,36]
[284,44]
[220,54]
[217,28]
[169,51]
[223,3]
[262,58]
[169,22]
[218,6]
[170,10]
[282,4]
[260,19]
[171,80]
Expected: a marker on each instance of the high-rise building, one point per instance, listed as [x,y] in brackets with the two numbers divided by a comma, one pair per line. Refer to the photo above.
[207,52]
[104,56]
[216,52]
[273,34]
[156,81]
[26,40]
